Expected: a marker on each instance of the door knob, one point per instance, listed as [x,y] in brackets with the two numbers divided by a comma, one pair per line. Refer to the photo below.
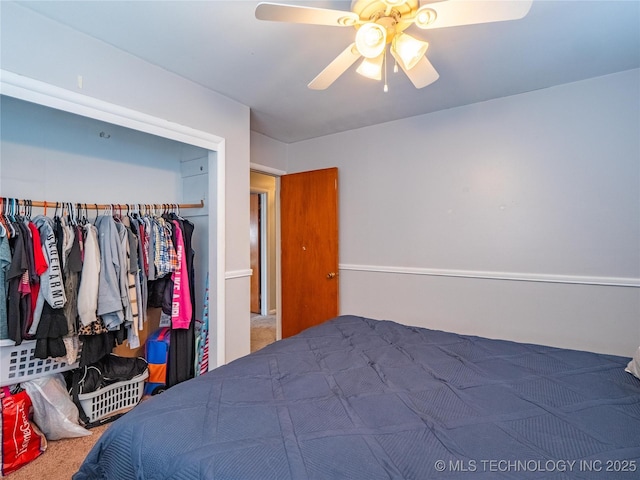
[331,275]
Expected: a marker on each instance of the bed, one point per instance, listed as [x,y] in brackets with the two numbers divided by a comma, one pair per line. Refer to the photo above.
[357,398]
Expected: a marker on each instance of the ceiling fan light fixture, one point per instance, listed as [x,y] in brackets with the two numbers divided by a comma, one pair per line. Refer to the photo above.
[409,49]
[381,22]
[371,40]
[371,67]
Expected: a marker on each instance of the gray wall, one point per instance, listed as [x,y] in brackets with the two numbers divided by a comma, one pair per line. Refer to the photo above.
[52,155]
[466,219]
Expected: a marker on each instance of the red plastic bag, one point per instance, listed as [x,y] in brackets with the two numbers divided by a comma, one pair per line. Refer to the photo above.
[22,442]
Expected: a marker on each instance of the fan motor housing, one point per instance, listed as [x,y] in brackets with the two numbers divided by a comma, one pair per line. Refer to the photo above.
[385,14]
[367,9]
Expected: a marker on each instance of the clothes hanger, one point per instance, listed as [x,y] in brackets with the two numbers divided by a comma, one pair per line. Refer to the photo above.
[67,214]
[10,215]
[79,208]
[28,210]
[3,220]
[3,229]
[74,214]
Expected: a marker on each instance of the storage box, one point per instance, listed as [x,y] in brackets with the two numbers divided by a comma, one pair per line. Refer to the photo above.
[17,363]
[118,397]
[151,325]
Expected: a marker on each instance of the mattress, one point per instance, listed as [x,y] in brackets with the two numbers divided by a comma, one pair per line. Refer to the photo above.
[358,398]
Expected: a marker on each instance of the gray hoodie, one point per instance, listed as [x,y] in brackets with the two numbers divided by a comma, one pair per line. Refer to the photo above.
[110,307]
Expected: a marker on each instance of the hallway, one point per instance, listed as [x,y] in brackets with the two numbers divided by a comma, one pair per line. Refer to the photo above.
[263,331]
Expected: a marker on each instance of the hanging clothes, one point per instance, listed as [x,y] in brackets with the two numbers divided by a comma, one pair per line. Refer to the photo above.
[49,322]
[90,278]
[29,276]
[41,266]
[150,248]
[123,273]
[130,247]
[182,308]
[5,263]
[51,330]
[66,281]
[182,350]
[17,308]
[110,307]
[136,239]
[202,336]
[165,263]
[51,284]
[72,266]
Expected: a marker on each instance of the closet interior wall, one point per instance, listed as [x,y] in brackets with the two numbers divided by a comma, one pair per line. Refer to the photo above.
[195,187]
[47,154]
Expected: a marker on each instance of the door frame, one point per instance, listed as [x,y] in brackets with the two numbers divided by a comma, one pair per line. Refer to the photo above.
[277,174]
[263,202]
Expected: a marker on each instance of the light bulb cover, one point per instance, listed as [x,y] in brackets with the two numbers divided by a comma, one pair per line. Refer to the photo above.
[371,67]
[410,50]
[371,39]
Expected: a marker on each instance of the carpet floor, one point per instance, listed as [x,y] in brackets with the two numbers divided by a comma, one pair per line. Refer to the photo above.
[61,459]
[263,331]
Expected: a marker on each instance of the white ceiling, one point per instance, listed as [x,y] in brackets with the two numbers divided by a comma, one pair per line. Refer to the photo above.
[267,65]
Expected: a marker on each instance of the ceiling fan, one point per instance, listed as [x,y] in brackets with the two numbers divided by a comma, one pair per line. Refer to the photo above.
[379,23]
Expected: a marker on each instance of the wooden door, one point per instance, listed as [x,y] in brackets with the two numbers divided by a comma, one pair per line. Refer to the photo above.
[309,245]
[254,246]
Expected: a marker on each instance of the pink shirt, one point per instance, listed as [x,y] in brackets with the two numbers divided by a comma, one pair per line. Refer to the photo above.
[181,308]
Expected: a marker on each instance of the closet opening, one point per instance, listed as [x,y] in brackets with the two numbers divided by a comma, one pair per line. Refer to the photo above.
[111,154]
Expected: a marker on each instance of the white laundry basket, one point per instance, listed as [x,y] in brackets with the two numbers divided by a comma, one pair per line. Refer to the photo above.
[118,397]
[17,363]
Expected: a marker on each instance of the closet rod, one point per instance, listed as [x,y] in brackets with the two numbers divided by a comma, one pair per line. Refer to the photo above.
[40,203]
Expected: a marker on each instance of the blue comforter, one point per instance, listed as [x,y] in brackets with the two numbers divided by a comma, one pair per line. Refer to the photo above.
[357,398]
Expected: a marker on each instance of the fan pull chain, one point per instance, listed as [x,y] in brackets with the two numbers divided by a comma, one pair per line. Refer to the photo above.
[385,89]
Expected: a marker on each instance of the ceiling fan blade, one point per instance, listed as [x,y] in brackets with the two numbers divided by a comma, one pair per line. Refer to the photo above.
[336,68]
[296,14]
[452,13]
[422,74]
